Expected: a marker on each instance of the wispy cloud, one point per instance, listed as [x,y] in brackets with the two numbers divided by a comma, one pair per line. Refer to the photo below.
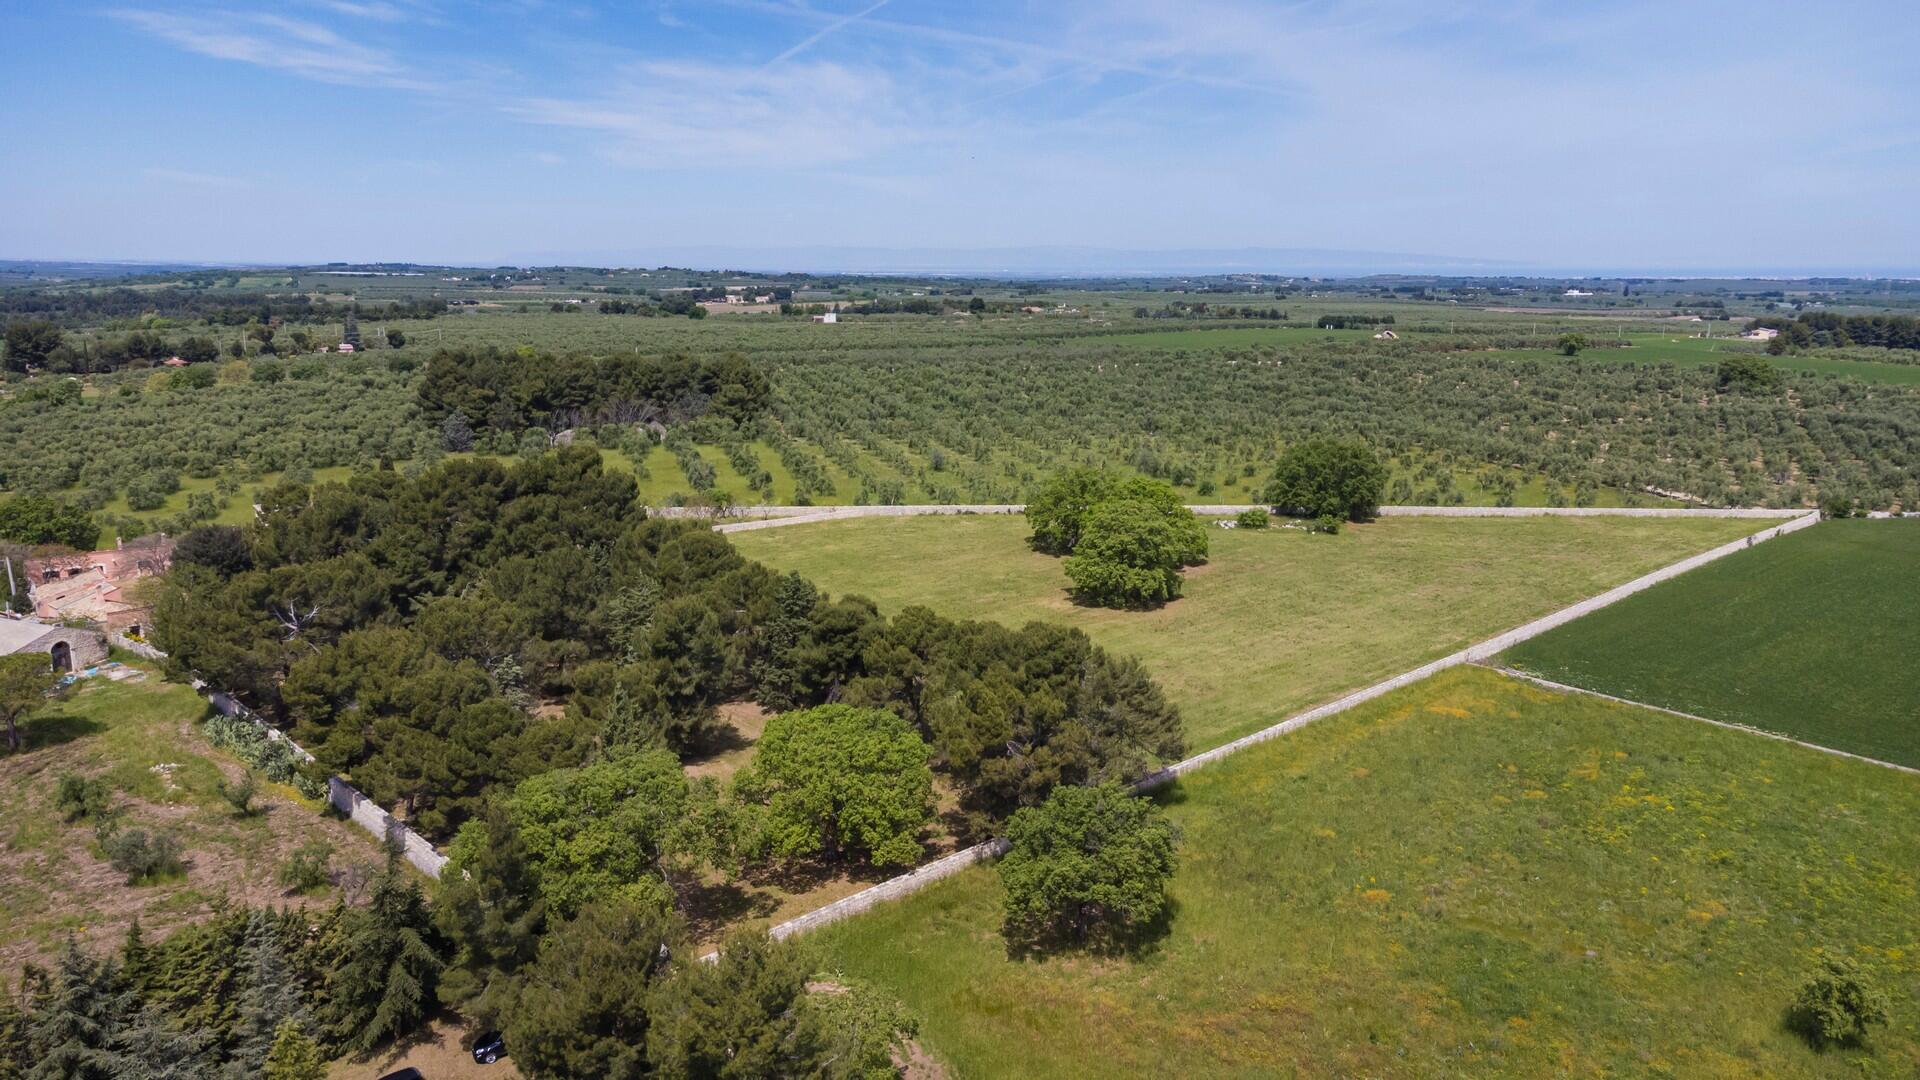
[817,35]
[674,114]
[195,179]
[377,10]
[281,43]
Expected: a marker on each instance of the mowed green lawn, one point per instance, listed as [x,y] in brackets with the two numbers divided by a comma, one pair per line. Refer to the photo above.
[1278,620]
[1816,635]
[1468,877]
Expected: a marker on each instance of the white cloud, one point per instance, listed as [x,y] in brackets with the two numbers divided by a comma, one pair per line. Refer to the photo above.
[280,43]
[673,114]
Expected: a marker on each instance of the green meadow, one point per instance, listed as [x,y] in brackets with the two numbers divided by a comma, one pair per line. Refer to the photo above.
[1468,877]
[1278,619]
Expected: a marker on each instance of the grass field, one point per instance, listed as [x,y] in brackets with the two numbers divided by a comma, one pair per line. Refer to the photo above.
[1816,635]
[143,739]
[1278,620]
[1468,877]
[1705,352]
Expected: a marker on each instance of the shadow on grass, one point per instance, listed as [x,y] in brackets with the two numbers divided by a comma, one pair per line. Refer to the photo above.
[716,740]
[1134,943]
[44,731]
[710,909]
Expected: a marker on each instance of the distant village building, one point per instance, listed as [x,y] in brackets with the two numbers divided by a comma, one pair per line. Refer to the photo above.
[96,586]
[1576,292]
[174,361]
[67,648]
[829,317]
[346,346]
[1761,333]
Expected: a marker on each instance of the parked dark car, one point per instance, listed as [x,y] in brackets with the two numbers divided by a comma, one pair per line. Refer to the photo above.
[489,1048]
[408,1073]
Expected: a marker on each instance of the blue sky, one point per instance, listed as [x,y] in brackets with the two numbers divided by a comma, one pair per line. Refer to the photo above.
[1612,135]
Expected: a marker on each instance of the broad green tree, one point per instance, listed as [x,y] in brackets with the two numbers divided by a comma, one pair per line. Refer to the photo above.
[1339,478]
[1089,865]
[836,779]
[1129,555]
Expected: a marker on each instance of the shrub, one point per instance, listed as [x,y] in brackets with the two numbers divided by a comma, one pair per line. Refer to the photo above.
[1571,344]
[1325,523]
[143,856]
[1321,477]
[1251,519]
[306,869]
[1837,1004]
[1090,864]
[81,796]
[248,740]
[240,793]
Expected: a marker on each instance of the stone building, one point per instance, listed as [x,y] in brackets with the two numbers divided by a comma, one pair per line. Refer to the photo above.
[67,648]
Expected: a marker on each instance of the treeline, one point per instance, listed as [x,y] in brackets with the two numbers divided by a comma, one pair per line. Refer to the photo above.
[1352,322]
[73,307]
[402,629]
[618,990]
[1185,309]
[1832,330]
[513,391]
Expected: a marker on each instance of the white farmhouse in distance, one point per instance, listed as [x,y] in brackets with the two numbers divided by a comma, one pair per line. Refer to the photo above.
[1576,292]
[831,316]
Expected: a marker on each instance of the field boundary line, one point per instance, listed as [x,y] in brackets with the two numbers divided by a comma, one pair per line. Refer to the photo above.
[773,517]
[1731,725]
[949,865]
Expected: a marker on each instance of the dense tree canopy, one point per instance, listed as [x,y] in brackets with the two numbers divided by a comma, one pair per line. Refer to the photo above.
[37,519]
[512,391]
[1336,478]
[835,778]
[1129,555]
[1091,864]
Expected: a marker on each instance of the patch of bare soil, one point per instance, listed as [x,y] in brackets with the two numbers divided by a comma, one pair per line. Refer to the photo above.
[440,1053]
[53,880]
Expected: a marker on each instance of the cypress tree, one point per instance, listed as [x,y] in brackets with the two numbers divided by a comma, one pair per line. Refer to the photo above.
[388,970]
[272,995]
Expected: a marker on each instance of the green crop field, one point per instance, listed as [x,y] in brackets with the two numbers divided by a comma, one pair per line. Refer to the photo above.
[1708,352]
[1468,877]
[1816,635]
[1278,620]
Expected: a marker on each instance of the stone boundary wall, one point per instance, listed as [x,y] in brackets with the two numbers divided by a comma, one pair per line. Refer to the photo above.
[137,648]
[770,517]
[913,881]
[342,796]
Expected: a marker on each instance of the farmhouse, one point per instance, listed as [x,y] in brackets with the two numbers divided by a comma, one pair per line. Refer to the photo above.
[96,585]
[1761,333]
[1386,335]
[829,317]
[68,648]
[173,361]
